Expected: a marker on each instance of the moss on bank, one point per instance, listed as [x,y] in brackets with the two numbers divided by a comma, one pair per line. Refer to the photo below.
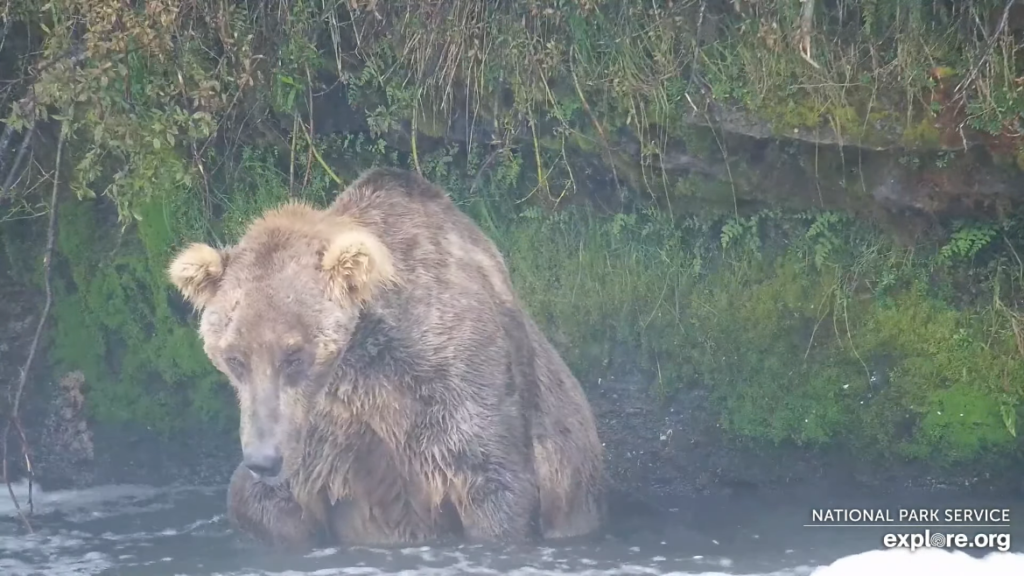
[827,334]
[113,319]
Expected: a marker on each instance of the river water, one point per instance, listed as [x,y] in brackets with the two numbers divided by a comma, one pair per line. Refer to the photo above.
[181,530]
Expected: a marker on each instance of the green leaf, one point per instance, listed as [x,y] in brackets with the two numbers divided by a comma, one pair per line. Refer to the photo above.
[1009,418]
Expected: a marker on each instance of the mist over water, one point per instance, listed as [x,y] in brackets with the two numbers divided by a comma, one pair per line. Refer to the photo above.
[179,530]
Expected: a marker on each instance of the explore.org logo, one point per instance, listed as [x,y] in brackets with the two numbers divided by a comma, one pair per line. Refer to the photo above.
[927,539]
[963,528]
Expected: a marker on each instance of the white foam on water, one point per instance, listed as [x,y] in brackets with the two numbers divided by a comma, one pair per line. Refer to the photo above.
[70,552]
[56,554]
[66,500]
[476,569]
[94,502]
[926,562]
[192,526]
[87,564]
[894,562]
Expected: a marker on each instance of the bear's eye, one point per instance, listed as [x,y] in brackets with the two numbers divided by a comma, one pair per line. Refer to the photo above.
[293,361]
[235,364]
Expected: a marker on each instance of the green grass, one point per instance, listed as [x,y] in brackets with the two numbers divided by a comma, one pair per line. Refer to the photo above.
[788,348]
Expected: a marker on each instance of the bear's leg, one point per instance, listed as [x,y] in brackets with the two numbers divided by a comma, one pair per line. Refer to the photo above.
[571,497]
[351,524]
[392,524]
[570,514]
[501,505]
[268,513]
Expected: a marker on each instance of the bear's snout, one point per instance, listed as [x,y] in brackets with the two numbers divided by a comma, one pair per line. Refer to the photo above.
[263,460]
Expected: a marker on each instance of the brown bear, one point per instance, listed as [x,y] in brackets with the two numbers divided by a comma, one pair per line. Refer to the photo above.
[387,372]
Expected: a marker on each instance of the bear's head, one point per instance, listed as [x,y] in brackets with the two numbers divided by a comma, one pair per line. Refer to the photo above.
[277,310]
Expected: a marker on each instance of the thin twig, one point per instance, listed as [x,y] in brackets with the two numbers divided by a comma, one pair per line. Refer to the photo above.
[825,310]
[593,118]
[961,89]
[13,418]
[18,158]
[482,170]
[312,148]
[415,127]
[309,135]
[291,159]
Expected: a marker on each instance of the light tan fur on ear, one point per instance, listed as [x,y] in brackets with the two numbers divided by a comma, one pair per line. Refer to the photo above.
[357,263]
[195,271]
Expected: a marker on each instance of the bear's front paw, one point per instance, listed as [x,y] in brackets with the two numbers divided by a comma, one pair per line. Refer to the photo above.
[269,513]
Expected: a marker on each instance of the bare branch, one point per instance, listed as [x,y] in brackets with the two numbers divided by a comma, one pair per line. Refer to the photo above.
[961,88]
[806,28]
[27,107]
[13,418]
[18,158]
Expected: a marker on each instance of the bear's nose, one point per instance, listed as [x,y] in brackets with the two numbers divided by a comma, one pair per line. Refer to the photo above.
[263,463]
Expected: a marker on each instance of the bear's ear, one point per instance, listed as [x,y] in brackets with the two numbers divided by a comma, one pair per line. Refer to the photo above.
[196,272]
[356,263]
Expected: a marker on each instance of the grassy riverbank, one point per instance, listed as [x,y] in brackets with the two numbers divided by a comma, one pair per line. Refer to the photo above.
[811,328]
[551,123]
